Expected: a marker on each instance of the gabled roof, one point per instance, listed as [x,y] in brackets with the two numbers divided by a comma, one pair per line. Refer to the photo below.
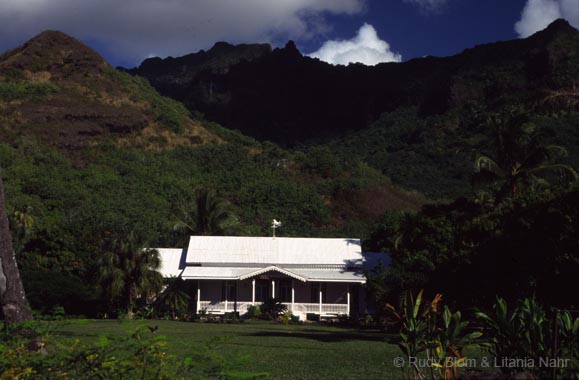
[240,258]
[272,268]
[233,273]
[272,251]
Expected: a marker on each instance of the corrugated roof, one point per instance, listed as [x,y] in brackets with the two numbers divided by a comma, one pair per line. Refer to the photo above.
[267,250]
[170,261]
[233,273]
[331,275]
[215,273]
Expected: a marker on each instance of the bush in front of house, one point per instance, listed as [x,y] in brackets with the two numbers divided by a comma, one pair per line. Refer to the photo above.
[288,317]
[272,308]
[253,312]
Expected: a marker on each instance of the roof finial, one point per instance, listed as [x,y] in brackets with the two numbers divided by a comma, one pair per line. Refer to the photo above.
[275,224]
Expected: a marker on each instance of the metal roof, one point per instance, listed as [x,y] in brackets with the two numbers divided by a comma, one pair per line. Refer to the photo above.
[272,251]
[331,275]
[240,258]
[215,273]
[233,273]
[171,261]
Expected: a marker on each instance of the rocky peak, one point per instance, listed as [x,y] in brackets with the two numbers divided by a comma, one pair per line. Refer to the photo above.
[57,53]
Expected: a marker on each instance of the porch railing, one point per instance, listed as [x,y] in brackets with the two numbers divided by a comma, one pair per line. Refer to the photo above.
[327,308]
[298,308]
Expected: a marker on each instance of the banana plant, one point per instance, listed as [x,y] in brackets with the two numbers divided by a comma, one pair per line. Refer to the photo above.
[451,341]
[441,336]
[413,331]
[526,332]
[569,343]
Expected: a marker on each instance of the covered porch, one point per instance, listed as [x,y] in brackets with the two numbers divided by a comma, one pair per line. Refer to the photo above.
[301,296]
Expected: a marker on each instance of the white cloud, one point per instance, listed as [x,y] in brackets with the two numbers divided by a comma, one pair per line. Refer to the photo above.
[538,14]
[366,48]
[130,29]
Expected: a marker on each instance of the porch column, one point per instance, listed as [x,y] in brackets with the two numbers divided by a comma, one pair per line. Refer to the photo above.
[235,304]
[272,288]
[198,296]
[226,288]
[321,298]
[293,296]
[348,298]
[253,291]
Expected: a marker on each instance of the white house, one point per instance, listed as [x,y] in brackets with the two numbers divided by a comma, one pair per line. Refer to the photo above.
[317,276]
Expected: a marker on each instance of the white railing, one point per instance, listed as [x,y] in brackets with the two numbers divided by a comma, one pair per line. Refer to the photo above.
[301,308]
[327,308]
[223,306]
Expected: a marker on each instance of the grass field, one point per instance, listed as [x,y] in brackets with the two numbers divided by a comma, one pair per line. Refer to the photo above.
[284,351]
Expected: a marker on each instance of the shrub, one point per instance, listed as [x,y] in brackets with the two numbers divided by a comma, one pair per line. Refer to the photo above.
[253,311]
[272,308]
[312,317]
[140,355]
[26,90]
[286,317]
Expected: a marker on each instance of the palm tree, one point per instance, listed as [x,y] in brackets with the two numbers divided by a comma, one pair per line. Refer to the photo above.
[13,301]
[521,157]
[129,272]
[208,216]
[174,298]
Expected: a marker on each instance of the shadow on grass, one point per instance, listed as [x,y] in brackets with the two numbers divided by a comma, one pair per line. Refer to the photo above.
[76,334]
[320,336]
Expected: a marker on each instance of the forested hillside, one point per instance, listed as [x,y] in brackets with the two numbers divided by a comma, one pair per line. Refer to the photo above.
[420,122]
[90,155]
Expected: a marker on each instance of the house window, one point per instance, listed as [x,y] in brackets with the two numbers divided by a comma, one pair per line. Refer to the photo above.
[228,291]
[285,290]
[315,298]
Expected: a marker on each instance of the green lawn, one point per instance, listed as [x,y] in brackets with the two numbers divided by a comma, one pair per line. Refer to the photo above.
[286,352]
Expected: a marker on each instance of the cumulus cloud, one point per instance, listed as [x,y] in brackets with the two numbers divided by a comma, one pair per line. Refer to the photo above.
[131,29]
[366,48]
[538,14]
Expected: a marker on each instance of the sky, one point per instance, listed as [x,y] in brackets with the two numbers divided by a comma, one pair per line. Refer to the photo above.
[336,31]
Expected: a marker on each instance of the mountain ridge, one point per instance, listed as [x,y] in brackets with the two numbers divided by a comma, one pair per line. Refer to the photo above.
[258,97]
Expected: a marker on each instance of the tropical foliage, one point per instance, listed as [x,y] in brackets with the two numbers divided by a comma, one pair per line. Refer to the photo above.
[129,272]
[207,216]
[174,298]
[426,328]
[272,308]
[526,332]
[139,354]
[522,159]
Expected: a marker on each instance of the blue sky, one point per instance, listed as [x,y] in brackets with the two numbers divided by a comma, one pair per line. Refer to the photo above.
[337,31]
[414,31]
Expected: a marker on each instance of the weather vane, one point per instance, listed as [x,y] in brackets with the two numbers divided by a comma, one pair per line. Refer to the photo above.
[275,224]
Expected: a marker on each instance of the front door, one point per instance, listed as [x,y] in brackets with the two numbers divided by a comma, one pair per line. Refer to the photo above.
[262,290]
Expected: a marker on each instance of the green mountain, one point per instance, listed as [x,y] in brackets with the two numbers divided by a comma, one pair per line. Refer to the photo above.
[89,153]
[420,122]
[56,89]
